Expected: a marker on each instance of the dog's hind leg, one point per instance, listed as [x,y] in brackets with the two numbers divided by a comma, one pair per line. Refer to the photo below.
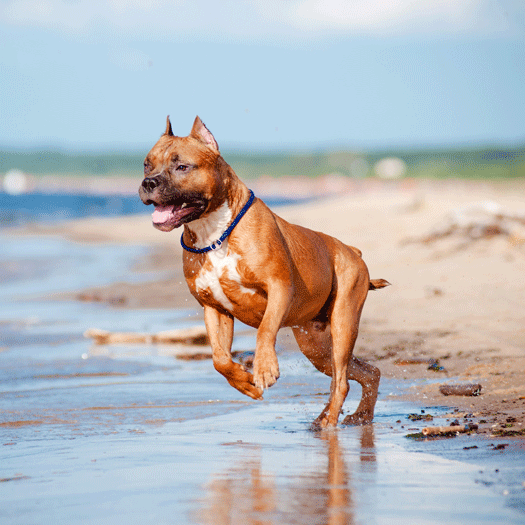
[220,331]
[344,325]
[330,349]
[368,377]
[315,341]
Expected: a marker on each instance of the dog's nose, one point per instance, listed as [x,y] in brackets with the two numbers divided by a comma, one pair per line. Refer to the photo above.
[149,184]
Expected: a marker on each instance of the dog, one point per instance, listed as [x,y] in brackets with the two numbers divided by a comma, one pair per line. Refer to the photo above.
[242,261]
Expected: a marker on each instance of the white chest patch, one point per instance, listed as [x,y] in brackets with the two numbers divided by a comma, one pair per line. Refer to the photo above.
[210,228]
[224,267]
[224,264]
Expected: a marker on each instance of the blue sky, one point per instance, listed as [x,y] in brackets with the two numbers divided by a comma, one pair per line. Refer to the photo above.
[262,74]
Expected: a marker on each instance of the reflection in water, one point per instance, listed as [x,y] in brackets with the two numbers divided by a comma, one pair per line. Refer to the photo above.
[303,490]
[242,495]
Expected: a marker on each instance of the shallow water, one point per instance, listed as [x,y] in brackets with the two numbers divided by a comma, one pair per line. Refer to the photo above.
[131,435]
[26,208]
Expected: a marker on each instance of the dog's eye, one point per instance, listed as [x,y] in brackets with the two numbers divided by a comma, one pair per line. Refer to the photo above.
[182,167]
[147,168]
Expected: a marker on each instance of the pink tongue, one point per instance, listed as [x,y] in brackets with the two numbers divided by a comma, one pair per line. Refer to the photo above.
[162,214]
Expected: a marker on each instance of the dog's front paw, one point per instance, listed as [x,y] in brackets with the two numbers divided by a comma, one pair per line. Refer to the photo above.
[243,381]
[249,389]
[265,372]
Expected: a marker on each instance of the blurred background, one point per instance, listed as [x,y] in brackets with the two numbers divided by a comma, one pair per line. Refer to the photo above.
[333,89]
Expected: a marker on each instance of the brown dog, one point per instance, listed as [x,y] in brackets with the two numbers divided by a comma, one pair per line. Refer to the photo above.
[243,261]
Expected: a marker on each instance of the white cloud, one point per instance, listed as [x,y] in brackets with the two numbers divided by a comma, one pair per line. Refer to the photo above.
[401,16]
[81,16]
[169,20]
[56,14]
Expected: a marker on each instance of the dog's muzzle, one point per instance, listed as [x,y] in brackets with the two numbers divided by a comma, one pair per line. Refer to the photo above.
[172,207]
[150,183]
[152,189]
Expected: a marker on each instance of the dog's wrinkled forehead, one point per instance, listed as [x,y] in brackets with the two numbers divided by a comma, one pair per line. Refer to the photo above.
[186,150]
[198,149]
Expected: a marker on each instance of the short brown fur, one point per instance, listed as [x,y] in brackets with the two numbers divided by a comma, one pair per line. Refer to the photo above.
[285,275]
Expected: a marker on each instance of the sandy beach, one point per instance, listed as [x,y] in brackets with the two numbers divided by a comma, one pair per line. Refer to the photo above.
[128,434]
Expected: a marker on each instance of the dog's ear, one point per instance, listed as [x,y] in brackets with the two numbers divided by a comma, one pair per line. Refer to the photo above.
[200,132]
[169,131]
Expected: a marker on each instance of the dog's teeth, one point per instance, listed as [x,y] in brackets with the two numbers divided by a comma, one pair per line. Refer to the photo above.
[184,205]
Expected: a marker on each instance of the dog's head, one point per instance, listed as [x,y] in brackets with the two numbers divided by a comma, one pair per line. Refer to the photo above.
[182,177]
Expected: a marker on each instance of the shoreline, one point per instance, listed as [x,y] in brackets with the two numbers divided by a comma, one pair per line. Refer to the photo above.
[455,300]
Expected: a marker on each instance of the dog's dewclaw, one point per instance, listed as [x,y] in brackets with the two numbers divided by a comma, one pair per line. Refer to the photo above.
[468,389]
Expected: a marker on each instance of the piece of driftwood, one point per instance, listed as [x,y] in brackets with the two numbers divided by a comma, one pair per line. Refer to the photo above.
[403,361]
[245,357]
[189,336]
[433,364]
[103,337]
[481,220]
[453,429]
[467,389]
[193,356]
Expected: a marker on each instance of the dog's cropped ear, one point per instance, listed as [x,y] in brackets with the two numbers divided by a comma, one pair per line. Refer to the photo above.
[169,131]
[200,132]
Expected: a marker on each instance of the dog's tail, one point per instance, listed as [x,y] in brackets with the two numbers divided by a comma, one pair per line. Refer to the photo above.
[376,284]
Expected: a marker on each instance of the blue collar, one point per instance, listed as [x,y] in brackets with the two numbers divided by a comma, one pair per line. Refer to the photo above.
[217,244]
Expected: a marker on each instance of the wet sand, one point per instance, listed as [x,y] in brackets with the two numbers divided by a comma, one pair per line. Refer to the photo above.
[130,434]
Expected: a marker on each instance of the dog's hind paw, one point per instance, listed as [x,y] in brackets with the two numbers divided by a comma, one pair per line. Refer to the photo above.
[356,419]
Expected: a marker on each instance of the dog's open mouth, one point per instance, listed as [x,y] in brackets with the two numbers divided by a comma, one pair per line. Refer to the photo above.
[166,218]
[173,208]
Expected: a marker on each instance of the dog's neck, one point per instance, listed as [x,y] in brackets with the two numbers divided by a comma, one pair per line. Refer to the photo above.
[235,194]
[207,230]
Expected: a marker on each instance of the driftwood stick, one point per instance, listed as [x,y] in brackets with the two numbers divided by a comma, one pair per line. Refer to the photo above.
[453,429]
[188,336]
[467,389]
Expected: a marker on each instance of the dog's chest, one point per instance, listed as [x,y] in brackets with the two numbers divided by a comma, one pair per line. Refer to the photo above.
[219,280]
[216,280]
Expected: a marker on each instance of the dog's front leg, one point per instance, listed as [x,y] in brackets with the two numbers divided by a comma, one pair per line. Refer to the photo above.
[265,364]
[220,331]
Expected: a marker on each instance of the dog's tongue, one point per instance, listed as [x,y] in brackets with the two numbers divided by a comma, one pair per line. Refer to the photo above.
[162,214]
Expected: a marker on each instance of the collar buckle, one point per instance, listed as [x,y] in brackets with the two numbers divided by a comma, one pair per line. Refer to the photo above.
[216,245]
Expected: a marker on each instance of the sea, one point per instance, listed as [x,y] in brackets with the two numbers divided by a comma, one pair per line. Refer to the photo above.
[28,208]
